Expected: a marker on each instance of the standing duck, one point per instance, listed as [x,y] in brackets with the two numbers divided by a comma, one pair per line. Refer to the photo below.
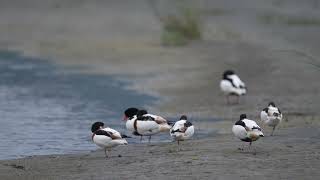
[182,130]
[231,85]
[271,116]
[140,123]
[247,130]
[106,138]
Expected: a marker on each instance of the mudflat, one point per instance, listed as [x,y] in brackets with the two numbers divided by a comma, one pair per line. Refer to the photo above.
[290,154]
[278,62]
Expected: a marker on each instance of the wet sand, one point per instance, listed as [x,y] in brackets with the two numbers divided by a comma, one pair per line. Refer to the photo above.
[291,154]
[186,81]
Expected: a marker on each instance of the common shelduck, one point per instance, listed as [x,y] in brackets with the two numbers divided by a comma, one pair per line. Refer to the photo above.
[106,138]
[247,130]
[140,123]
[182,130]
[271,116]
[231,85]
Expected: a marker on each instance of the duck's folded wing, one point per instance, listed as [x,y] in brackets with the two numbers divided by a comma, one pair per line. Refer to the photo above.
[103,132]
[226,85]
[156,118]
[145,126]
[239,131]
[189,132]
[112,133]
[250,124]
[160,120]
[264,116]
[237,81]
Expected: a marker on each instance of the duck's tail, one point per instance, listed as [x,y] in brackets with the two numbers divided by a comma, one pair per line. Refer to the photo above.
[164,127]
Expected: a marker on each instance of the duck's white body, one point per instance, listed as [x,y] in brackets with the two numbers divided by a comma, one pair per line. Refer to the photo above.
[272,117]
[251,131]
[177,131]
[147,127]
[104,141]
[236,87]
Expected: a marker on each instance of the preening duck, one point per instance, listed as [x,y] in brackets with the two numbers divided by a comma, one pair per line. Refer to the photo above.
[247,130]
[182,130]
[140,123]
[106,138]
[231,85]
[271,116]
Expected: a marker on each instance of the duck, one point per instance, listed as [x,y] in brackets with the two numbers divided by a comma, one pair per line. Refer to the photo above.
[106,137]
[182,130]
[231,85]
[141,123]
[247,130]
[271,116]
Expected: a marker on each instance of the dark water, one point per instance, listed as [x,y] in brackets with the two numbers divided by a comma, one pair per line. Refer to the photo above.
[47,109]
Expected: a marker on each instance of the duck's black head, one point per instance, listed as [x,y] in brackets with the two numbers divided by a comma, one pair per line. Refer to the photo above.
[227,73]
[271,104]
[141,112]
[130,112]
[183,117]
[243,116]
[96,126]
[187,124]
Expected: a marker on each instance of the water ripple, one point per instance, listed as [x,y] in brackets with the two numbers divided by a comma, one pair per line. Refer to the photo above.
[46,110]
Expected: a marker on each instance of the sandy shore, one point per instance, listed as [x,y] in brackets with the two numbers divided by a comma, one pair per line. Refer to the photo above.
[290,154]
[271,59]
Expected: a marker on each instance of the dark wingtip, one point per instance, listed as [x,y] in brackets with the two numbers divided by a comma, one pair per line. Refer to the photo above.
[136,133]
[125,136]
[171,122]
[187,124]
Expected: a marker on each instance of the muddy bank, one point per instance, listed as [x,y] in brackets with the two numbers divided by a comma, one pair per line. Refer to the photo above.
[290,154]
[186,80]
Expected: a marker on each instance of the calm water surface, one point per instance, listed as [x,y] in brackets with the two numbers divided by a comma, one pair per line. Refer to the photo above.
[47,109]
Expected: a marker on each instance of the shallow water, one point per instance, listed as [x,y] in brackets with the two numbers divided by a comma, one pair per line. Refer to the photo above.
[47,109]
